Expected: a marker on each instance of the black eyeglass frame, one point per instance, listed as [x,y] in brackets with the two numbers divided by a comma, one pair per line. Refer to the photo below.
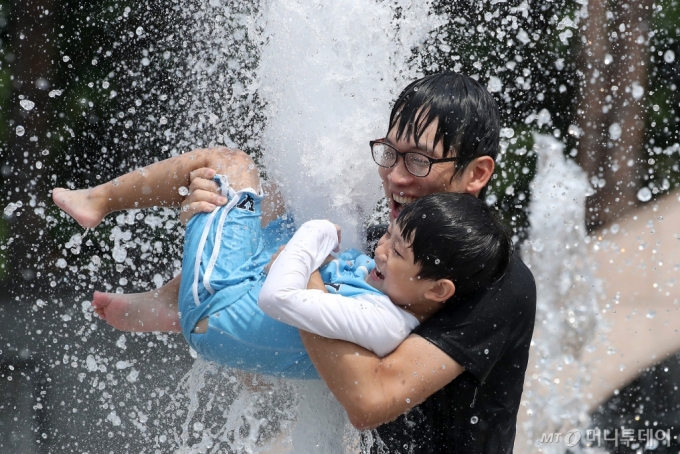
[403,156]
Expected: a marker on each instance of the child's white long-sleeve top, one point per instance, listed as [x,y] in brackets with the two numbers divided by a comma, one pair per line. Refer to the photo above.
[353,311]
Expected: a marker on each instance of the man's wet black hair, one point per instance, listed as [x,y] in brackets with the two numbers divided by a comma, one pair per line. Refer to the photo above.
[467,116]
[457,237]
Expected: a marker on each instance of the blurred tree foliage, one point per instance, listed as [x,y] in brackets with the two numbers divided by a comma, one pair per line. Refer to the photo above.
[90,78]
[534,54]
[100,73]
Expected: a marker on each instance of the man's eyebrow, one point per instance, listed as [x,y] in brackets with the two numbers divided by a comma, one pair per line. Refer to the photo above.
[418,146]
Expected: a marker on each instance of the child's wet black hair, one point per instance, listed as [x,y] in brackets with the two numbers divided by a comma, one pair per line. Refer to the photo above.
[467,116]
[457,237]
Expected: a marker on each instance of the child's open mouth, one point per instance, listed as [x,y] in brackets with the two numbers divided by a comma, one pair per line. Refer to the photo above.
[378,274]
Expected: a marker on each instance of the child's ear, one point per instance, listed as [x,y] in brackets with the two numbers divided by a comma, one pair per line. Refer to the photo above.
[441,290]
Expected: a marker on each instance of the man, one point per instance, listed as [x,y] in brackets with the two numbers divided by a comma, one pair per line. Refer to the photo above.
[454,385]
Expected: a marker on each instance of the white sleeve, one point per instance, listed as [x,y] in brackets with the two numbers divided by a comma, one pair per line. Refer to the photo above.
[371,321]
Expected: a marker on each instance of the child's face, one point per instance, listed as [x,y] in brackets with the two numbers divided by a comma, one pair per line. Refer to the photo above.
[395,273]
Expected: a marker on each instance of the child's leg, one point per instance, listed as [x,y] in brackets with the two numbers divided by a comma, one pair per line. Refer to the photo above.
[157,310]
[141,312]
[155,185]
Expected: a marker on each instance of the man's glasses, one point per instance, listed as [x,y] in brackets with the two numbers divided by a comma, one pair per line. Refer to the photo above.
[419,165]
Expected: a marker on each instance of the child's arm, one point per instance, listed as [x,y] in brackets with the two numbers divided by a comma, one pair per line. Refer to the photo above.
[371,321]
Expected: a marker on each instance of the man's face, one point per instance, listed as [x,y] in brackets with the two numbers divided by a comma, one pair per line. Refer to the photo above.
[402,188]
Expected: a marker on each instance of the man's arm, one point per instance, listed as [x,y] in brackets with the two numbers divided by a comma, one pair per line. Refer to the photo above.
[376,390]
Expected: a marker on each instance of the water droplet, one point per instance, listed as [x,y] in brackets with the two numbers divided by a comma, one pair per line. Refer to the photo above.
[20,130]
[26,104]
[45,152]
[615,131]
[66,58]
[38,165]
[474,420]
[638,91]
[486,351]
[163,121]
[55,93]
[437,261]
[644,195]
[495,85]
[139,31]
[507,132]
[651,314]
[408,401]
[105,84]
[11,208]
[669,56]
[183,191]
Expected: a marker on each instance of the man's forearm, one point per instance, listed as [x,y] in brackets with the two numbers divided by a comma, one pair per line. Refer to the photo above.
[351,373]
[376,390]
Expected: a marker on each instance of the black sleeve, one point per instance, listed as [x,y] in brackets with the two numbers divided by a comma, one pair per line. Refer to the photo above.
[477,331]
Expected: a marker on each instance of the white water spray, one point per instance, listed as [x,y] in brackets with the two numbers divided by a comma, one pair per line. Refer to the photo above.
[567,290]
[327,73]
[307,84]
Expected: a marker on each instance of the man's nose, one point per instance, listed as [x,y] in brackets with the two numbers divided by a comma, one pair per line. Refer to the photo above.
[398,174]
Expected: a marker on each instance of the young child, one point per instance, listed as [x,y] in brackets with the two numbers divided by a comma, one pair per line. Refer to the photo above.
[441,245]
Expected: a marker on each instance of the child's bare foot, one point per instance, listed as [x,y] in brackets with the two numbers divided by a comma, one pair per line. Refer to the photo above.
[82,205]
[141,312]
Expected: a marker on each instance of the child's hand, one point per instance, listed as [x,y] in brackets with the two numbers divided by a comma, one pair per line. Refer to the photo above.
[328,260]
[272,260]
[339,229]
[337,248]
[316,283]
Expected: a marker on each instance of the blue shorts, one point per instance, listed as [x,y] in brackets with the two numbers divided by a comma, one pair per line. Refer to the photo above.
[225,253]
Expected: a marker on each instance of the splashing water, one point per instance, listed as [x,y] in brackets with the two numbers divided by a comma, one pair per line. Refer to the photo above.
[566,312]
[302,87]
[27,104]
[322,104]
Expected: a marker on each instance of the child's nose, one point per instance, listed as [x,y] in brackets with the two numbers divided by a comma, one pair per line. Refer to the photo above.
[381,251]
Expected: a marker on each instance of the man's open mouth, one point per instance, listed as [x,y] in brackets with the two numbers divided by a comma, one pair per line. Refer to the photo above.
[402,200]
[398,202]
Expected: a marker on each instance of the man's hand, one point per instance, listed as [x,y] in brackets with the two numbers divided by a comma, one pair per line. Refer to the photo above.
[204,195]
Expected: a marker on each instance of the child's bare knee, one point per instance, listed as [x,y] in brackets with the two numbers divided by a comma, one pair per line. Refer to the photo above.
[239,168]
[201,327]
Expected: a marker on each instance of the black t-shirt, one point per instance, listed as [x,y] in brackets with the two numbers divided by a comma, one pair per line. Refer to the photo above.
[489,334]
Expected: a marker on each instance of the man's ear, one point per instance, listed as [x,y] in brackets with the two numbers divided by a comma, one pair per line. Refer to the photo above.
[441,290]
[478,173]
